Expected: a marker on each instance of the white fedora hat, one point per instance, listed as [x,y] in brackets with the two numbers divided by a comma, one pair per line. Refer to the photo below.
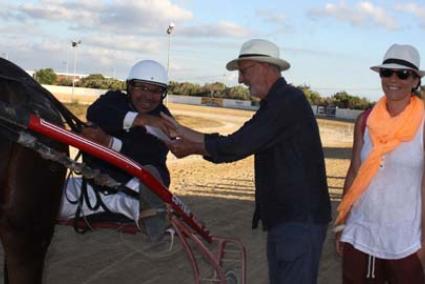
[259,50]
[400,56]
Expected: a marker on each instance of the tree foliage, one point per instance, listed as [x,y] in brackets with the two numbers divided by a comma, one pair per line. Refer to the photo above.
[64,81]
[341,99]
[238,93]
[46,76]
[313,97]
[214,90]
[98,81]
[344,100]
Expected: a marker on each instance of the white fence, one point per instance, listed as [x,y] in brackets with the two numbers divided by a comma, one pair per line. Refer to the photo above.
[332,111]
[87,96]
[78,95]
[184,100]
[345,113]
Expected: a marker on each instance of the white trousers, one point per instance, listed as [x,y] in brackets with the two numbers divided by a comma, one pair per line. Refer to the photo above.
[116,203]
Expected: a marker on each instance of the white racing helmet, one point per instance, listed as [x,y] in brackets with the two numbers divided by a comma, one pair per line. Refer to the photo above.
[149,71]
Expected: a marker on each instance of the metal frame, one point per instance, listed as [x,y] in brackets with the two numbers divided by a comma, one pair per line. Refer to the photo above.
[219,254]
[62,135]
[192,233]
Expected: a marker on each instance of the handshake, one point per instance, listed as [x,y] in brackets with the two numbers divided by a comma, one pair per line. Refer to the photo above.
[181,140]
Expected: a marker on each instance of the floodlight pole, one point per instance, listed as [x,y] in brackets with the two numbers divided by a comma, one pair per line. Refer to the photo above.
[74,45]
[169,31]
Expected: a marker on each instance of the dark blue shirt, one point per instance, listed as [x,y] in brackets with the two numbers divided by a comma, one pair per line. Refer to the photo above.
[108,112]
[290,176]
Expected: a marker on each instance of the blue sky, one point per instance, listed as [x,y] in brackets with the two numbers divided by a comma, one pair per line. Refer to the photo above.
[330,44]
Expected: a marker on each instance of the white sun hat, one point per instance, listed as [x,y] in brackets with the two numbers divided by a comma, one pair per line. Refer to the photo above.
[259,50]
[400,56]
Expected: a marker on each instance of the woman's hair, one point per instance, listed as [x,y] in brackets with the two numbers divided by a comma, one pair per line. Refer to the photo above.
[417,90]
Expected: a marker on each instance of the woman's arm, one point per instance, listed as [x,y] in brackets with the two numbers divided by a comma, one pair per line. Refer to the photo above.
[421,252]
[354,166]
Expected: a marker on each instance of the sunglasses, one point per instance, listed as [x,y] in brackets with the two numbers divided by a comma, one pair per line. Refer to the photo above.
[402,74]
[147,88]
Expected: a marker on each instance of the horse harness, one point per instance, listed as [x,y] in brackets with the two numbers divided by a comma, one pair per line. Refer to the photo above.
[13,126]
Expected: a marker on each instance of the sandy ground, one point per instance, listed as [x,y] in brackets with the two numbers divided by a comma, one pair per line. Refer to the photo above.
[220,195]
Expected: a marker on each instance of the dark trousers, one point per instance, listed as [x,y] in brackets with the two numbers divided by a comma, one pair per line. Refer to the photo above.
[293,252]
[360,268]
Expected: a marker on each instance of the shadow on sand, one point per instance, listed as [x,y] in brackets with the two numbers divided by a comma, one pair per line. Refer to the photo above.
[107,256]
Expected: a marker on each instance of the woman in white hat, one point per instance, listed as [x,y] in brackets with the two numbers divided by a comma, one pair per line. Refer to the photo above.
[379,225]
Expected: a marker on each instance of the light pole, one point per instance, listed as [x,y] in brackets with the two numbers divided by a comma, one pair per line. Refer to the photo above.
[169,31]
[64,63]
[67,63]
[74,45]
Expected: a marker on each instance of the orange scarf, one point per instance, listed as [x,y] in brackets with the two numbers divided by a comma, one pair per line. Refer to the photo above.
[386,133]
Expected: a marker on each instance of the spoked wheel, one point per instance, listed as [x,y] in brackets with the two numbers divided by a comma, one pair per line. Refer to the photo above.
[232,277]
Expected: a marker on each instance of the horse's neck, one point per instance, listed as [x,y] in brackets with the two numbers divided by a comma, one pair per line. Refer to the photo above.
[42,106]
[18,88]
[25,94]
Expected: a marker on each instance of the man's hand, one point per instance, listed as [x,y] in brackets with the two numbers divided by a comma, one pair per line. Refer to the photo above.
[96,134]
[339,246]
[183,132]
[154,121]
[182,147]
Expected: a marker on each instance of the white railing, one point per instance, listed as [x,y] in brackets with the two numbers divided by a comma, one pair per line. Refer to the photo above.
[87,96]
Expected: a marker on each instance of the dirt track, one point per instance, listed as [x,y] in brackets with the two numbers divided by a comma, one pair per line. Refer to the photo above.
[220,195]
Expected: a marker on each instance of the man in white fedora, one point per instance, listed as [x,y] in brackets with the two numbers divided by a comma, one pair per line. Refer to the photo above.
[291,192]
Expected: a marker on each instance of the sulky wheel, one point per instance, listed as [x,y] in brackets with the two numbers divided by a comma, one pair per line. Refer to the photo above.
[232,277]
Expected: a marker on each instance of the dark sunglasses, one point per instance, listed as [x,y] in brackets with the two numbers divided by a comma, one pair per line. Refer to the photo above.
[402,74]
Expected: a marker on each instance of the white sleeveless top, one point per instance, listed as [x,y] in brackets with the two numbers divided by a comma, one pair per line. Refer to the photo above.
[386,221]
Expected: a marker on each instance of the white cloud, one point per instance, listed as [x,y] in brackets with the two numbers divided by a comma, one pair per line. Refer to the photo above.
[221,29]
[272,17]
[132,43]
[114,33]
[116,16]
[143,17]
[378,15]
[362,14]
[111,31]
[414,9]
[276,20]
[148,15]
[77,12]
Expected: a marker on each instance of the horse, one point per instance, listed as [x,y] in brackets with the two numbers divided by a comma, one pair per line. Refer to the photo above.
[30,186]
